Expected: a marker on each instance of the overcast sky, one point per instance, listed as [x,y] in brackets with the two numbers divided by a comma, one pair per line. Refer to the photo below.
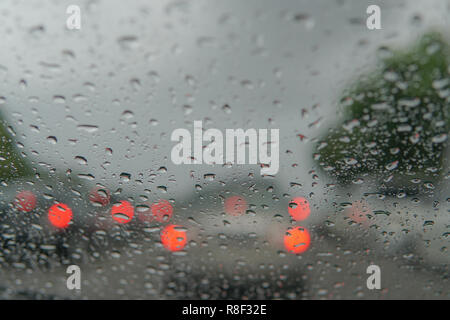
[137,70]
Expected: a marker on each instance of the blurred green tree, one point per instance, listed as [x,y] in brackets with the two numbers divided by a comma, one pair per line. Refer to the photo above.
[395,120]
[12,163]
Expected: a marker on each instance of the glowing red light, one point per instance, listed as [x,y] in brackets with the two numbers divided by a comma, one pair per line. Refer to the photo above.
[299,209]
[359,213]
[297,240]
[100,196]
[235,205]
[122,212]
[60,215]
[25,201]
[174,237]
[162,211]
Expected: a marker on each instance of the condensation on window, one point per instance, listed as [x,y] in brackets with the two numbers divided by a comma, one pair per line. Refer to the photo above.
[224,149]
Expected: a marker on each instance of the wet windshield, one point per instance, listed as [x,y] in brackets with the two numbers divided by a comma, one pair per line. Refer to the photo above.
[224,149]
